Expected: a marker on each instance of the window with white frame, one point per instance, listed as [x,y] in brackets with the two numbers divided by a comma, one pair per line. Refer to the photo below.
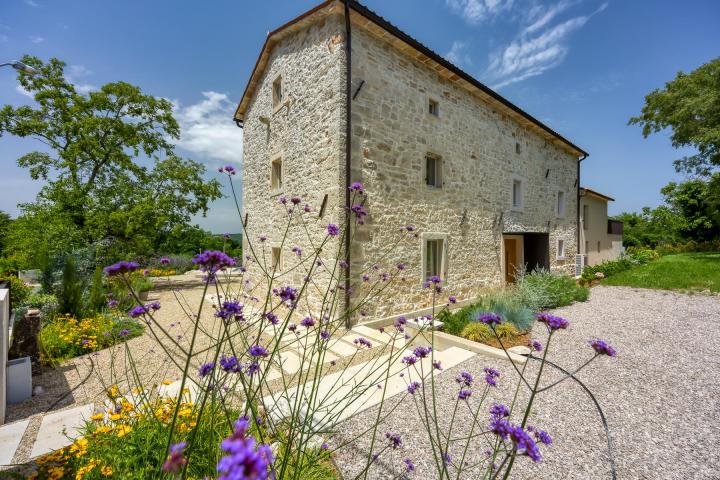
[433,107]
[560,204]
[434,253]
[276,174]
[277,92]
[433,170]
[560,248]
[276,259]
[517,193]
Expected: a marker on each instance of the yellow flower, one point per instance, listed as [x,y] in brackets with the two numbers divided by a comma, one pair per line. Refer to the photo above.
[113,391]
[166,382]
[98,416]
[103,429]
[123,430]
[115,417]
[106,471]
[56,473]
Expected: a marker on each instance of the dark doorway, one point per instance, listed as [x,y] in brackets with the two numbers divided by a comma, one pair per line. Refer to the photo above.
[537,251]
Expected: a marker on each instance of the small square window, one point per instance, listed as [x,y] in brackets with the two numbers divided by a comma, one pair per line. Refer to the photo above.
[277,92]
[433,107]
[434,258]
[517,193]
[276,259]
[586,216]
[560,206]
[276,175]
[433,171]
[560,248]
[598,246]
[517,147]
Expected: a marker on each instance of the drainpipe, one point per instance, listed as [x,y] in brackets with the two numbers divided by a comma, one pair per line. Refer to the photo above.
[577,205]
[348,147]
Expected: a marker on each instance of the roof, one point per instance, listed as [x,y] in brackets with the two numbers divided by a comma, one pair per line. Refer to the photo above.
[594,193]
[361,15]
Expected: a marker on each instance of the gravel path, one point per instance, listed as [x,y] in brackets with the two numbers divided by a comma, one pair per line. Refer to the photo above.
[661,395]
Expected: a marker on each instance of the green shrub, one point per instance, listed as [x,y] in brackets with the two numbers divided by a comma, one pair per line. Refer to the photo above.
[19,291]
[96,294]
[46,303]
[633,257]
[70,295]
[509,305]
[477,332]
[543,289]
[454,322]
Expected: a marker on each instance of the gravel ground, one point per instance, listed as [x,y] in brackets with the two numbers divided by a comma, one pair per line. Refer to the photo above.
[660,396]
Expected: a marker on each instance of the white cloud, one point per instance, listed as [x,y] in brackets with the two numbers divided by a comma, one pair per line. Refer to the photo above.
[207,129]
[31,3]
[19,89]
[476,11]
[458,54]
[540,46]
[36,40]
[75,73]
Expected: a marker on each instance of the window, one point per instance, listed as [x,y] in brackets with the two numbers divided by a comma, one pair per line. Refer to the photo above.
[433,107]
[277,92]
[586,216]
[560,248]
[517,193]
[276,259]
[560,207]
[276,174]
[433,170]
[434,257]
[598,246]
[517,147]
[587,247]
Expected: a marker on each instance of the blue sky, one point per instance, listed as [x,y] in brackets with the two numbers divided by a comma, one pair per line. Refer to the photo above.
[582,66]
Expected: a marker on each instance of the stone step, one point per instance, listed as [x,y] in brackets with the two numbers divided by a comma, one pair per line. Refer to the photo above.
[10,436]
[58,429]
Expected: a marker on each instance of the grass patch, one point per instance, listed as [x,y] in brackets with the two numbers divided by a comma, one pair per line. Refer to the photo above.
[682,271]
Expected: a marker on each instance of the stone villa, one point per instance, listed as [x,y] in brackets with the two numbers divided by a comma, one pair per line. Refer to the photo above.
[489,188]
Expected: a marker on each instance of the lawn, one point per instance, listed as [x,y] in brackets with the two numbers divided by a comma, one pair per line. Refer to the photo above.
[682,271]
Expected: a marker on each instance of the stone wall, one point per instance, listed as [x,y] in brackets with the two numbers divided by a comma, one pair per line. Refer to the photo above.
[309,134]
[393,132]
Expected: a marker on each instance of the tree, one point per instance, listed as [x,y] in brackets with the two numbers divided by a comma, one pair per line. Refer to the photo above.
[108,161]
[692,200]
[690,106]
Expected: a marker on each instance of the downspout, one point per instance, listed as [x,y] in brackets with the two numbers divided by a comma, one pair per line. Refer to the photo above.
[348,147]
[577,204]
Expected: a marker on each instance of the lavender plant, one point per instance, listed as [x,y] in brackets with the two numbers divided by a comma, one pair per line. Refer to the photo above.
[260,362]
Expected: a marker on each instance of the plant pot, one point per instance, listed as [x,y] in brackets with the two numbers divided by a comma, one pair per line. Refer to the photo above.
[19,380]
[143,295]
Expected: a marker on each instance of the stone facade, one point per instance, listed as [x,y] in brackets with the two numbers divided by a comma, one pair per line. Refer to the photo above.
[481,150]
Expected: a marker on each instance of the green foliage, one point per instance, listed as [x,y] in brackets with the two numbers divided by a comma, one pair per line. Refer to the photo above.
[5,222]
[509,305]
[66,337]
[632,258]
[690,106]
[94,187]
[477,332]
[70,294]
[683,271]
[96,294]
[689,247]
[46,303]
[543,289]
[19,291]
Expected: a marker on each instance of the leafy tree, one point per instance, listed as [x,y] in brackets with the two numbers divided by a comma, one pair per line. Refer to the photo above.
[693,202]
[71,290]
[5,222]
[690,106]
[108,162]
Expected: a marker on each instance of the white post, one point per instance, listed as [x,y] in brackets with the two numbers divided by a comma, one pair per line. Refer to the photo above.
[4,343]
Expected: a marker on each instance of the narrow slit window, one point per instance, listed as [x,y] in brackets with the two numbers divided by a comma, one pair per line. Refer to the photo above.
[276,175]
[598,246]
[560,248]
[433,171]
[277,92]
[434,252]
[560,207]
[517,147]
[586,216]
[517,193]
[433,107]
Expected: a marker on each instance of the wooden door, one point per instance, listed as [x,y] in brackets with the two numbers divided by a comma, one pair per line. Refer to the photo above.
[511,259]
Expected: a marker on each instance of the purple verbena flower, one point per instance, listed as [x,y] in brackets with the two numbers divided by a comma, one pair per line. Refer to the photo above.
[490,318]
[120,268]
[333,230]
[465,378]
[552,322]
[307,322]
[413,387]
[409,360]
[137,311]
[499,410]
[409,465]
[165,261]
[452,299]
[422,352]
[536,346]
[229,169]
[205,370]
[258,351]
[394,439]
[211,261]
[243,459]
[230,364]
[360,341]
[602,348]
[176,458]
[464,394]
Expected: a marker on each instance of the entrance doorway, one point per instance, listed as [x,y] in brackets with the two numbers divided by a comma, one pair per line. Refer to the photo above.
[525,251]
[513,256]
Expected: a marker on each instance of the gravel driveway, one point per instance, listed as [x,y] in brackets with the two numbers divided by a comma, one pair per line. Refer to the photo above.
[661,395]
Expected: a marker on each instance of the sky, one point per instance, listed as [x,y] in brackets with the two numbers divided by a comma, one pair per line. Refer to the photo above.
[581,66]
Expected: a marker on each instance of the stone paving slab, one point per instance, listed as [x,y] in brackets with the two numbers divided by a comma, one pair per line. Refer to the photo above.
[58,426]
[10,436]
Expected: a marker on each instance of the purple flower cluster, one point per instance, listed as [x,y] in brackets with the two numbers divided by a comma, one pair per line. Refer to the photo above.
[272,318]
[176,458]
[211,261]
[409,465]
[541,435]
[499,410]
[297,251]
[602,348]
[394,439]
[360,213]
[536,346]
[357,187]
[491,376]
[205,370]
[400,323]
[364,342]
[230,309]
[333,230]
[422,352]
[552,322]
[452,299]
[464,393]
[307,322]
[413,387]
[287,294]
[465,378]
[243,459]
[522,440]
[409,360]
[490,318]
[229,169]
[258,351]
[230,364]
[165,261]
[120,268]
